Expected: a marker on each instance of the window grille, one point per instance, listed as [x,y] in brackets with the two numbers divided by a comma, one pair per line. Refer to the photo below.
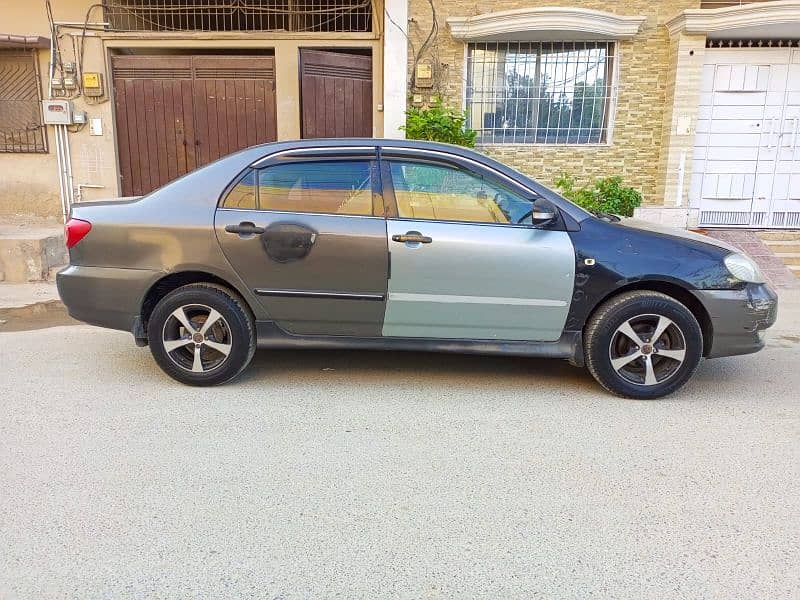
[540,92]
[321,16]
[21,128]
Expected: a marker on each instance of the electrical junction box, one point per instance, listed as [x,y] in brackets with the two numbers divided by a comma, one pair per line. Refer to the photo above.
[424,75]
[57,112]
[93,85]
[79,117]
[424,71]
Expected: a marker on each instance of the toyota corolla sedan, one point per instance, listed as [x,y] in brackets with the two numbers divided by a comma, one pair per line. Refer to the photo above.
[404,245]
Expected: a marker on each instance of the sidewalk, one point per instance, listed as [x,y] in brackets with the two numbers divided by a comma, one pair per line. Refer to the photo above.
[25,306]
[20,295]
[773,268]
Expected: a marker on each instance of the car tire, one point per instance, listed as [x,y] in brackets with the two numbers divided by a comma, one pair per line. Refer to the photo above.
[194,351]
[642,345]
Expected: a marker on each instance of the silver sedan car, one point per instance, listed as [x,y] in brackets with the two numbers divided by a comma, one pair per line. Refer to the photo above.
[404,245]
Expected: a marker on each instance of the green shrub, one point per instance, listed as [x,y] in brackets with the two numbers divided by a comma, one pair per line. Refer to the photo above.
[439,124]
[606,194]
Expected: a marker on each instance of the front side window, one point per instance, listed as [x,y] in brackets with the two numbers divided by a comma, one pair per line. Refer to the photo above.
[332,187]
[428,191]
[540,92]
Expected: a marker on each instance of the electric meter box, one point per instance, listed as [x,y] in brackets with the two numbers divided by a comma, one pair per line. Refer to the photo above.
[57,112]
[93,85]
[424,75]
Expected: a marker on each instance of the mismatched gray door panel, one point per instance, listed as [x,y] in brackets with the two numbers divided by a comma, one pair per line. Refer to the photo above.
[477,281]
[313,273]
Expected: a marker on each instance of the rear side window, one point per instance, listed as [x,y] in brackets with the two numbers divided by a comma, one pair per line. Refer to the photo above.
[331,187]
[243,194]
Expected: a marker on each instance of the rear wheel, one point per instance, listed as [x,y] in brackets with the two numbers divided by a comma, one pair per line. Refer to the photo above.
[201,334]
[643,345]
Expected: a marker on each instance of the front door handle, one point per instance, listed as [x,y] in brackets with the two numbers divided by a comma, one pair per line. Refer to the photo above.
[245,228]
[412,237]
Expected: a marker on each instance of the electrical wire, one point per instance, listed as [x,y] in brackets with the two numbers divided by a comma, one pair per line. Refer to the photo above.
[431,35]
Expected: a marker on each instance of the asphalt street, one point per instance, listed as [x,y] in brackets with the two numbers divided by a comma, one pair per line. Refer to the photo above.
[392,475]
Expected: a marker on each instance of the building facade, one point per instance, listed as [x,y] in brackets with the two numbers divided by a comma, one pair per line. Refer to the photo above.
[696,103]
[145,91]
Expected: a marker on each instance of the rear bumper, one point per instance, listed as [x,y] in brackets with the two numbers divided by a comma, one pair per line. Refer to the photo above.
[105,296]
[739,318]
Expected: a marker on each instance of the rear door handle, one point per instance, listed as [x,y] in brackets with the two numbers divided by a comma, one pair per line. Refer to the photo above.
[245,228]
[412,237]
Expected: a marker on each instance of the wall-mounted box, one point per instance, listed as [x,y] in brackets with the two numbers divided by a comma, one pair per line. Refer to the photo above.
[424,75]
[57,112]
[93,85]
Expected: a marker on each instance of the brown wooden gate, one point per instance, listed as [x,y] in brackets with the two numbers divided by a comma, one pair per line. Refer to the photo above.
[336,90]
[177,113]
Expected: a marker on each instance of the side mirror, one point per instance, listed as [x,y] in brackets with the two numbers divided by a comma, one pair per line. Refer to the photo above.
[544,212]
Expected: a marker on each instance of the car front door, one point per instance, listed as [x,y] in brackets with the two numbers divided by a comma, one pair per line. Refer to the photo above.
[308,237]
[466,260]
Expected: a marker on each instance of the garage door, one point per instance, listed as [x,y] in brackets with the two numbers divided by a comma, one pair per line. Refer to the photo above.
[177,113]
[746,168]
[336,90]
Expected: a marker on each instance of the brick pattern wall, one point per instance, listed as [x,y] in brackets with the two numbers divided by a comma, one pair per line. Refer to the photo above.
[643,67]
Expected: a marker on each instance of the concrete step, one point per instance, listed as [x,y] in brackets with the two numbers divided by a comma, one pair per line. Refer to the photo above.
[19,295]
[783,245]
[25,306]
[788,235]
[789,258]
[30,251]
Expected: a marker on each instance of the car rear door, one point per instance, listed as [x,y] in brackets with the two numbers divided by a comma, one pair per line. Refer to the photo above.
[306,232]
[466,260]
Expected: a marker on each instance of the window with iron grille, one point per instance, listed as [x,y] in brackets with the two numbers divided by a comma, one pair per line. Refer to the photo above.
[540,92]
[340,16]
[21,128]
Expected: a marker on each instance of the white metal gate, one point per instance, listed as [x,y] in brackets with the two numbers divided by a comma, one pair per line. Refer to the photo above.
[746,169]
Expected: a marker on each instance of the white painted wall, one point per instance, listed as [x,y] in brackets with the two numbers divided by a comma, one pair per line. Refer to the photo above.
[395,61]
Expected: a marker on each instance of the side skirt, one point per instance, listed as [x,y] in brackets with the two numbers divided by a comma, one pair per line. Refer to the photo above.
[569,346]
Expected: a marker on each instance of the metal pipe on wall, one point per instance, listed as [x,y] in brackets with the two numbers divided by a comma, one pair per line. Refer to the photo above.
[68,161]
[59,160]
[63,156]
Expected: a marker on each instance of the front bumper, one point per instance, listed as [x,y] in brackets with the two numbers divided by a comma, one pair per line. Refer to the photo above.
[739,318]
[105,296]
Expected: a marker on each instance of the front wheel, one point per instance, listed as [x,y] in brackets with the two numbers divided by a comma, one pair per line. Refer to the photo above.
[201,334]
[643,345]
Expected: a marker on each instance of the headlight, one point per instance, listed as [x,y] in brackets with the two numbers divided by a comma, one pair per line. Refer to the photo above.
[743,268]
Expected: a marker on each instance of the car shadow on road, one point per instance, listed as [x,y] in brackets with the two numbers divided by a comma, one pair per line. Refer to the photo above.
[414,367]
[478,375]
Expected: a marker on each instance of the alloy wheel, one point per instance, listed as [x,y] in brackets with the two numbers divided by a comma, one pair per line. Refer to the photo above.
[197,338]
[647,349]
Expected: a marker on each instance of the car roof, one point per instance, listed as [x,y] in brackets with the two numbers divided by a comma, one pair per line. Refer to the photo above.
[355,141]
